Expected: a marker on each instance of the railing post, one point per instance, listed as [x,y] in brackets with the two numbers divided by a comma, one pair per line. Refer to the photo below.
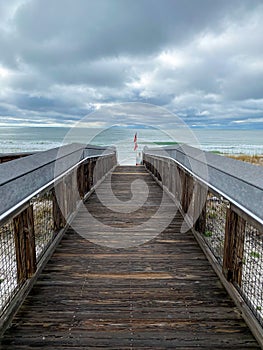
[25,244]
[178,184]
[97,168]
[74,190]
[155,167]
[234,246]
[150,166]
[86,177]
[91,170]
[58,207]
[159,169]
[200,196]
[171,177]
[166,173]
[67,189]
[187,191]
[81,180]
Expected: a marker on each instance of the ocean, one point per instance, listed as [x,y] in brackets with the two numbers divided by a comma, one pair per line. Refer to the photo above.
[30,139]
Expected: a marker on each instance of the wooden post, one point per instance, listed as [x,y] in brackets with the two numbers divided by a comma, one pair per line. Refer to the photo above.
[170,177]
[234,246]
[187,190]
[200,195]
[66,197]
[25,244]
[150,166]
[97,166]
[89,174]
[86,177]
[81,181]
[74,190]
[165,173]
[154,167]
[178,184]
[159,164]
[184,191]
[58,207]
[174,175]
[92,164]
[161,170]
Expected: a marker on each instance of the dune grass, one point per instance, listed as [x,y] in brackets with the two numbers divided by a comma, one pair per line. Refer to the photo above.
[254,159]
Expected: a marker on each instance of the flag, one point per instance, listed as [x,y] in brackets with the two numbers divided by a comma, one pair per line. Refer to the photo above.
[135,142]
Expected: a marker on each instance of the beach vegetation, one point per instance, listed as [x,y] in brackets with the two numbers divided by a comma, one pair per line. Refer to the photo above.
[208,233]
[255,255]
[253,159]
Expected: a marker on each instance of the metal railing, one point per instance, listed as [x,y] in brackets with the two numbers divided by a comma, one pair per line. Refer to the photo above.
[216,204]
[34,224]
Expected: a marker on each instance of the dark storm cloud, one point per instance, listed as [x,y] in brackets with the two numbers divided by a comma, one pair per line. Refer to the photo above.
[89,29]
[202,59]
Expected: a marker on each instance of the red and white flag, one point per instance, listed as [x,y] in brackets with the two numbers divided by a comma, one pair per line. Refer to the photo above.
[135,142]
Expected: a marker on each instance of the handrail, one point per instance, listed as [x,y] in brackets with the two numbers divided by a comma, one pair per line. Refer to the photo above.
[11,211]
[217,190]
[22,177]
[206,162]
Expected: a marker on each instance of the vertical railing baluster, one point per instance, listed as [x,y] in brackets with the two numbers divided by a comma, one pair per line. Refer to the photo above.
[234,246]
[25,244]
[58,207]
[200,196]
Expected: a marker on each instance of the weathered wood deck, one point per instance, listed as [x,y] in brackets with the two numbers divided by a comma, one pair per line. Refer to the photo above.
[158,295]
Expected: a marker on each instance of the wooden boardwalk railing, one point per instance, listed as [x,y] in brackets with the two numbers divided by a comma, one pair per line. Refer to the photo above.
[40,194]
[157,295]
[221,199]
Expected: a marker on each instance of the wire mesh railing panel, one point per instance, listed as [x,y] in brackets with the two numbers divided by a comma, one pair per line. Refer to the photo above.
[214,234]
[8,266]
[252,271]
[43,222]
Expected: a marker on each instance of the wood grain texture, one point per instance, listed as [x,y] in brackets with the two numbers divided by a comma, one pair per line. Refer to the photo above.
[234,246]
[162,294]
[25,244]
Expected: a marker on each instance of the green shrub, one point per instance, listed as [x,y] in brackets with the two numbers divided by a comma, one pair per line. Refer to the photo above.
[255,255]
[208,233]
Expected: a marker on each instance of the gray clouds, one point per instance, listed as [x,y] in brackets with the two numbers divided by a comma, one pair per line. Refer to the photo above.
[201,59]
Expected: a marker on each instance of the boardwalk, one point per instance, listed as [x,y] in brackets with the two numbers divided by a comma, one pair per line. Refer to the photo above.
[158,295]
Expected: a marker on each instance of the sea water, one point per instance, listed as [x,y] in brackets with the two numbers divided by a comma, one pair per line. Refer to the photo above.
[31,139]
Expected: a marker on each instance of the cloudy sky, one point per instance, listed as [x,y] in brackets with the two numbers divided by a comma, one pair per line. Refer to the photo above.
[63,59]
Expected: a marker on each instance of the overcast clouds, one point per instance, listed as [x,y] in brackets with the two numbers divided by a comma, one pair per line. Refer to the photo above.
[62,59]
